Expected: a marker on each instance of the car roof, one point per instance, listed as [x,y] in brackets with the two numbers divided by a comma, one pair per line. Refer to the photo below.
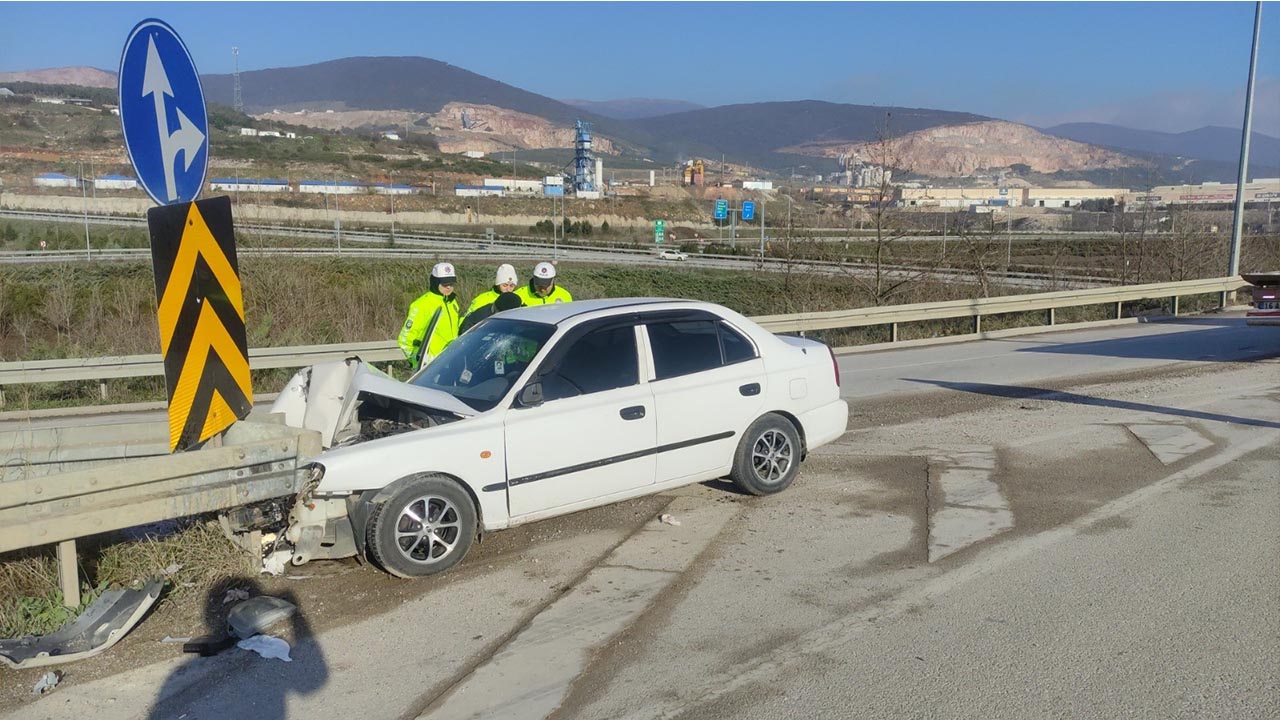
[558,313]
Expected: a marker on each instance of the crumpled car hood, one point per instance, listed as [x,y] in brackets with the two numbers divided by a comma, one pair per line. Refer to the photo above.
[323,397]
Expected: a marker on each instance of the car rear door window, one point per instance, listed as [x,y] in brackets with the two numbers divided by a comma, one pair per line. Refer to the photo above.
[600,360]
[684,347]
[736,347]
[690,346]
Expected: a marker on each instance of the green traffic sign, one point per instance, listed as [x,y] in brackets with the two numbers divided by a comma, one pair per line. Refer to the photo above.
[659,230]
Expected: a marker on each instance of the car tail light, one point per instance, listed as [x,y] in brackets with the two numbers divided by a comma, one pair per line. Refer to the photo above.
[835,366]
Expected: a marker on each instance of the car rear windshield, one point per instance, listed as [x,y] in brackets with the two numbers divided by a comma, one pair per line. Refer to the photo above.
[480,366]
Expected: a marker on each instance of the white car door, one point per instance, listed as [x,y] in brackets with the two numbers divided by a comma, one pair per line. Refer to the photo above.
[708,386]
[593,434]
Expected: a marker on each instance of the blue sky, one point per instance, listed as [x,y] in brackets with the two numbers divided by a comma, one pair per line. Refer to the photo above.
[1163,66]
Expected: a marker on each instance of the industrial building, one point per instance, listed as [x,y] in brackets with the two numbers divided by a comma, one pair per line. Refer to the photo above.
[55,180]
[479,191]
[966,198]
[115,182]
[1261,190]
[249,186]
[331,187]
[516,187]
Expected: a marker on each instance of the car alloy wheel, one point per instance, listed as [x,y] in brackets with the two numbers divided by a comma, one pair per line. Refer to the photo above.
[771,456]
[427,530]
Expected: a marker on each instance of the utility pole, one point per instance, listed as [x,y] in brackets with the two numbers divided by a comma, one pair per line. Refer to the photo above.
[1233,264]
[85,200]
[733,226]
[392,191]
[762,229]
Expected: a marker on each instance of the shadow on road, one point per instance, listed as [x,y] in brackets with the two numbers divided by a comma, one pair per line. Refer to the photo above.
[1030,393]
[238,683]
[1220,340]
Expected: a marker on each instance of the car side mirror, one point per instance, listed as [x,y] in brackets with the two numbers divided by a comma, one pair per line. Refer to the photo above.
[531,395]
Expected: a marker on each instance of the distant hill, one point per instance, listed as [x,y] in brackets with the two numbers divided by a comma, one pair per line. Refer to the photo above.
[634,108]
[86,76]
[754,132]
[1207,143]
[390,83]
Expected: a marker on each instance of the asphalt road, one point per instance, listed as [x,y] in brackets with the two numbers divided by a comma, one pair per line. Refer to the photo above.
[1080,524]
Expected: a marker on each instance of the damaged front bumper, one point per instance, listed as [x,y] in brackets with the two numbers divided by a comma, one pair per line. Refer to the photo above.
[108,619]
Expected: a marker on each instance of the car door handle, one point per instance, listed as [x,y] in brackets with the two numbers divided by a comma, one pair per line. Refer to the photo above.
[634,412]
[750,389]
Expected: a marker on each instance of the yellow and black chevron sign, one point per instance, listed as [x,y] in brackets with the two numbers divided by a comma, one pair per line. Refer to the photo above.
[201,311]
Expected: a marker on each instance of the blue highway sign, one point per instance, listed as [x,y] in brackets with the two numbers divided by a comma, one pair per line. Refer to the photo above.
[162,113]
[722,209]
[748,209]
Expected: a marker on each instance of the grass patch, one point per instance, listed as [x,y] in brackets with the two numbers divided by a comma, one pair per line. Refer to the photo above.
[31,603]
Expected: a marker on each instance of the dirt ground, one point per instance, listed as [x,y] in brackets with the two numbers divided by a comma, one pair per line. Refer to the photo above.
[334,593]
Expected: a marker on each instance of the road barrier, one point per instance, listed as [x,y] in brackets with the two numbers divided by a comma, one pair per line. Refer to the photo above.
[64,483]
[103,368]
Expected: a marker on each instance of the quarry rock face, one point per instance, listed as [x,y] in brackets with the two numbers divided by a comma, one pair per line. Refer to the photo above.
[960,150]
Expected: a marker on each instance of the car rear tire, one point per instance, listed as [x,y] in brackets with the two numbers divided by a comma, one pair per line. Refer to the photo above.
[768,457]
[425,527]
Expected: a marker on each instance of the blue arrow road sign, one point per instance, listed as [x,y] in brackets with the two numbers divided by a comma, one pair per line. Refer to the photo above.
[748,209]
[162,113]
[722,209]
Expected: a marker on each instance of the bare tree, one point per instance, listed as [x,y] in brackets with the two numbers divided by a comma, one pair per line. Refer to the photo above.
[889,270]
[981,245]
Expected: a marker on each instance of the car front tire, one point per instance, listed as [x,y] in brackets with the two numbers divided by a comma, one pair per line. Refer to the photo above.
[768,457]
[425,527]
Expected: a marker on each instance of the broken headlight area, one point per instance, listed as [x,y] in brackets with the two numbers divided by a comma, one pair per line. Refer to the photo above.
[378,416]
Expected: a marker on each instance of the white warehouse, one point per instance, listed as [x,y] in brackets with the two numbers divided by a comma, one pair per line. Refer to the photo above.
[115,182]
[330,187]
[247,185]
[55,180]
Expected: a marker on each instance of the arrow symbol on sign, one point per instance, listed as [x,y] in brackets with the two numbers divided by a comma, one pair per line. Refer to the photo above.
[187,138]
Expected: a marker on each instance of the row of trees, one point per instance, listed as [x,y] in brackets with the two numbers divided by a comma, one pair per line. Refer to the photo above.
[582,228]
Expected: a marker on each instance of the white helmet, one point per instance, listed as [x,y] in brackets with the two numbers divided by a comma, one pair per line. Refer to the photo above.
[444,271]
[544,274]
[506,274]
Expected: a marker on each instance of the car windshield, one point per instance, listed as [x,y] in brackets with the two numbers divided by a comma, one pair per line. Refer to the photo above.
[480,366]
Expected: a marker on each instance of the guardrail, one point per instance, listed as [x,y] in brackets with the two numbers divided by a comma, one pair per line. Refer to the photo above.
[894,315]
[60,484]
[69,370]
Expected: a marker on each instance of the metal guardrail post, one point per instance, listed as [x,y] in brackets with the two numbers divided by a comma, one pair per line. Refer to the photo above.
[1119,309]
[977,324]
[1175,306]
[1052,316]
[69,573]
[893,332]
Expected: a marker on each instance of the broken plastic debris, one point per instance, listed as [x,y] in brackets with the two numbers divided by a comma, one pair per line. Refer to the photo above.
[235,594]
[254,616]
[100,626]
[47,682]
[171,570]
[267,646]
[275,563]
[668,519]
[169,640]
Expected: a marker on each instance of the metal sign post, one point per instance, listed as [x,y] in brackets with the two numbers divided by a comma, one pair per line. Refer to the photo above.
[200,305]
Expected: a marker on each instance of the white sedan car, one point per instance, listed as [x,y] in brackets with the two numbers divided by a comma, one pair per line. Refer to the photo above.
[542,411]
[672,255]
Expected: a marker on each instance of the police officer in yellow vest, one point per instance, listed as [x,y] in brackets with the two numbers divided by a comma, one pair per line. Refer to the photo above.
[432,322]
[542,288]
[504,281]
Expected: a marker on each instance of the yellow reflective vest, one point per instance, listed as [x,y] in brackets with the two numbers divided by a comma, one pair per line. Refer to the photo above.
[431,325]
[557,295]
